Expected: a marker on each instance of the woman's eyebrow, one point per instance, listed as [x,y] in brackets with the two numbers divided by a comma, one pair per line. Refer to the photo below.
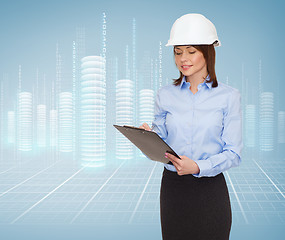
[186,47]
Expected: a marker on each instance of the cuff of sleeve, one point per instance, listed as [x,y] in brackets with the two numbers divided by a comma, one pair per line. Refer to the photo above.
[203,165]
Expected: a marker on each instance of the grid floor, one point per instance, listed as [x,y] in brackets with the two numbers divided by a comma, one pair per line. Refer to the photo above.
[126,193]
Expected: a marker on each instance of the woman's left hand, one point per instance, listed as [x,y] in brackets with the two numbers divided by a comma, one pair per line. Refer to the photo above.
[184,165]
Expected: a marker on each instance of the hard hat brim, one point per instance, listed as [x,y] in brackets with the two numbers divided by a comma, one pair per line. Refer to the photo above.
[216,43]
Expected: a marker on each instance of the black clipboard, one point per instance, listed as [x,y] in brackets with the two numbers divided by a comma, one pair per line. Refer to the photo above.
[148,142]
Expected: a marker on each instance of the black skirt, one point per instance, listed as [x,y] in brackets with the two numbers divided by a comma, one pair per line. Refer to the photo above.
[194,208]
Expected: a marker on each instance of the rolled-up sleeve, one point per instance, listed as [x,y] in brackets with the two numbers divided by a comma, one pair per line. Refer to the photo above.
[158,124]
[232,139]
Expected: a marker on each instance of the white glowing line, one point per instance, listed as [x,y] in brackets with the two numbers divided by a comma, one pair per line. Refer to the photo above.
[91,199]
[143,192]
[19,184]
[24,213]
[270,180]
[7,170]
[239,203]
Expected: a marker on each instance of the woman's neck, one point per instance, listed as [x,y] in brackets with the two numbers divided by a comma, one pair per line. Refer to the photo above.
[195,80]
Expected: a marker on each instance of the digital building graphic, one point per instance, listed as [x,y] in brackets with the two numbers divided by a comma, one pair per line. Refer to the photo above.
[93,112]
[146,107]
[41,125]
[53,128]
[124,116]
[266,136]
[250,126]
[65,122]
[281,127]
[25,123]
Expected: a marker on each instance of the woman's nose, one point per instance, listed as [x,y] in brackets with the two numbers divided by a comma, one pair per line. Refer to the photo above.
[183,56]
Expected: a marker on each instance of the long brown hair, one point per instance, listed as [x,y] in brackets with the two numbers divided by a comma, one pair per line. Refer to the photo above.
[209,54]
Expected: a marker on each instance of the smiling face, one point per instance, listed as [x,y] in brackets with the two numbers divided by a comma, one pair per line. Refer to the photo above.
[190,62]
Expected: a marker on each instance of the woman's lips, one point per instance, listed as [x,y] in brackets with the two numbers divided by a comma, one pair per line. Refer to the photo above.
[186,67]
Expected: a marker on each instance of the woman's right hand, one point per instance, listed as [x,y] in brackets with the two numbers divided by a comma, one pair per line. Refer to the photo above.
[145,127]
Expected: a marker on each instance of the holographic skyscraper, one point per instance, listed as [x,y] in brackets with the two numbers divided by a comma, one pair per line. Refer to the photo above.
[281,127]
[53,128]
[25,118]
[124,116]
[146,107]
[65,122]
[250,126]
[41,125]
[266,131]
[93,112]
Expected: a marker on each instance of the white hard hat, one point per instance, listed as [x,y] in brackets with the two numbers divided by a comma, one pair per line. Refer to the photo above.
[193,29]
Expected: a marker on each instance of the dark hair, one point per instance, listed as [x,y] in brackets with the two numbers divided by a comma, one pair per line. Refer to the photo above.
[209,54]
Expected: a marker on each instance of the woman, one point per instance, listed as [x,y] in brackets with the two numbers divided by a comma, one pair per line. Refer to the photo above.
[201,120]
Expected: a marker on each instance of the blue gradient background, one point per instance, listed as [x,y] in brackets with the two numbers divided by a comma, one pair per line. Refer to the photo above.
[250,31]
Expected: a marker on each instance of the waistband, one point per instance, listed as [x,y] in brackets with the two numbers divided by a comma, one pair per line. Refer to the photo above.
[189,177]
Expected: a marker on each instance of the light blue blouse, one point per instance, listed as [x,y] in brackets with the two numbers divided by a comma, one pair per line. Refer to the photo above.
[205,126]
